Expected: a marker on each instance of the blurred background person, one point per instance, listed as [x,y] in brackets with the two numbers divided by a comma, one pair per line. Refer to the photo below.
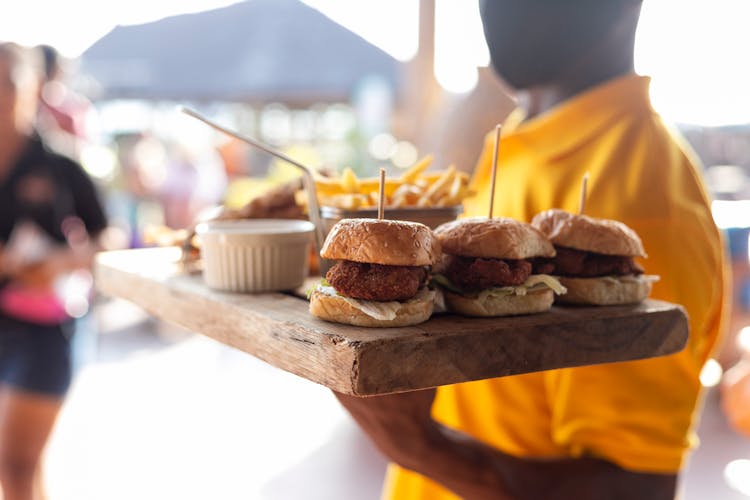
[50,221]
[194,180]
[63,115]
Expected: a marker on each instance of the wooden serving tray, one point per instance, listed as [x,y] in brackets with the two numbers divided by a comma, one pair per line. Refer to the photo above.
[447,349]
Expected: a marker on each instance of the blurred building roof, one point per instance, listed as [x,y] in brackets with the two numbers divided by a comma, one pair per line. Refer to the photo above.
[255,51]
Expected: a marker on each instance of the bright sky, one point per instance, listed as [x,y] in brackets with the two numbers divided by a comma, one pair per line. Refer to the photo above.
[687,46]
[696,52]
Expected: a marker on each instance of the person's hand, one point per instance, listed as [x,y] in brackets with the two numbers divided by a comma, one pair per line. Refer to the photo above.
[401,424]
[42,274]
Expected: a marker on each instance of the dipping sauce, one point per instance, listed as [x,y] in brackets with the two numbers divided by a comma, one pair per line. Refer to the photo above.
[255,255]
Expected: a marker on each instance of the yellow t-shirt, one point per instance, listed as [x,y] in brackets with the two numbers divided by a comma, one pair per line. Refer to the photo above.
[640,414]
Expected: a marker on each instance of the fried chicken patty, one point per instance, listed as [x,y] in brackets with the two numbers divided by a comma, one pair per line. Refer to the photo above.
[581,264]
[376,281]
[470,274]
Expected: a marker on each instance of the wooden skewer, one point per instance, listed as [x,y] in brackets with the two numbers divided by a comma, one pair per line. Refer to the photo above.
[582,202]
[494,169]
[381,196]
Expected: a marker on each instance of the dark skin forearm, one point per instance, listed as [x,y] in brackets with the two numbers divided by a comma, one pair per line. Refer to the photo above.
[493,474]
[401,426]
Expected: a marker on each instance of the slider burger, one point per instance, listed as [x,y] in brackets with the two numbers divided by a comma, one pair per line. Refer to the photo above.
[489,267]
[594,258]
[381,274]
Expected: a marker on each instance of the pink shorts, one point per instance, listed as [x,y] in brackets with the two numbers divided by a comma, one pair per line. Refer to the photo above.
[41,307]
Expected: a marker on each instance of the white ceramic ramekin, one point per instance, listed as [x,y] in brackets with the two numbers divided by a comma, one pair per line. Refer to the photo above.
[255,255]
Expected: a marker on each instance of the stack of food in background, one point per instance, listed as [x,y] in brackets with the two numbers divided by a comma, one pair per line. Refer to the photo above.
[419,195]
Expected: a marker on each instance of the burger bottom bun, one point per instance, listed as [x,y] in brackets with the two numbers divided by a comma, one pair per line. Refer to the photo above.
[509,305]
[336,309]
[604,291]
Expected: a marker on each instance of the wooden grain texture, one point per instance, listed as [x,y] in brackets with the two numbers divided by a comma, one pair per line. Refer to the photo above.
[278,329]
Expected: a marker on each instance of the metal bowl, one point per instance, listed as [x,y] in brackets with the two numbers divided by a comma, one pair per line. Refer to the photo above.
[430,217]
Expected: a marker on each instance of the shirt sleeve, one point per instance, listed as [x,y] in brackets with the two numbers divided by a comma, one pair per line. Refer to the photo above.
[87,204]
[640,414]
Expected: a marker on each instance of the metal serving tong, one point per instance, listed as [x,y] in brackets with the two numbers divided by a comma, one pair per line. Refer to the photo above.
[307,176]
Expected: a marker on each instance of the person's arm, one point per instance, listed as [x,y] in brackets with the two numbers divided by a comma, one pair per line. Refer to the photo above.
[82,233]
[42,274]
[400,425]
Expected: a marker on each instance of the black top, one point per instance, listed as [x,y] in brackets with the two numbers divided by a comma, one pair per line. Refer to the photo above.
[47,188]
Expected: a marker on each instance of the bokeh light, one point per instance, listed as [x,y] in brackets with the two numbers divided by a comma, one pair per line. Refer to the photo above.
[737,475]
[711,373]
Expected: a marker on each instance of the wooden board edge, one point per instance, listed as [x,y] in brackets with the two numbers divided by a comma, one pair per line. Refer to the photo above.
[666,333]
[337,356]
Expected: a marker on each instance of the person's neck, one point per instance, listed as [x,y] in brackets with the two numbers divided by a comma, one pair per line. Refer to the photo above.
[541,98]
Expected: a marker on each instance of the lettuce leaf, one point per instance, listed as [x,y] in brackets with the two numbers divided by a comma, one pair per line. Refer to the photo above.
[534,283]
[322,282]
[547,281]
[651,278]
[375,309]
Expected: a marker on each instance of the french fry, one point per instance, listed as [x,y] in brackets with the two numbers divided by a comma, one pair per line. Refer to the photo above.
[440,186]
[397,201]
[455,188]
[431,177]
[371,185]
[412,198]
[403,189]
[347,201]
[328,186]
[416,170]
[372,199]
[443,201]
[349,181]
[423,183]
[414,188]
[424,202]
